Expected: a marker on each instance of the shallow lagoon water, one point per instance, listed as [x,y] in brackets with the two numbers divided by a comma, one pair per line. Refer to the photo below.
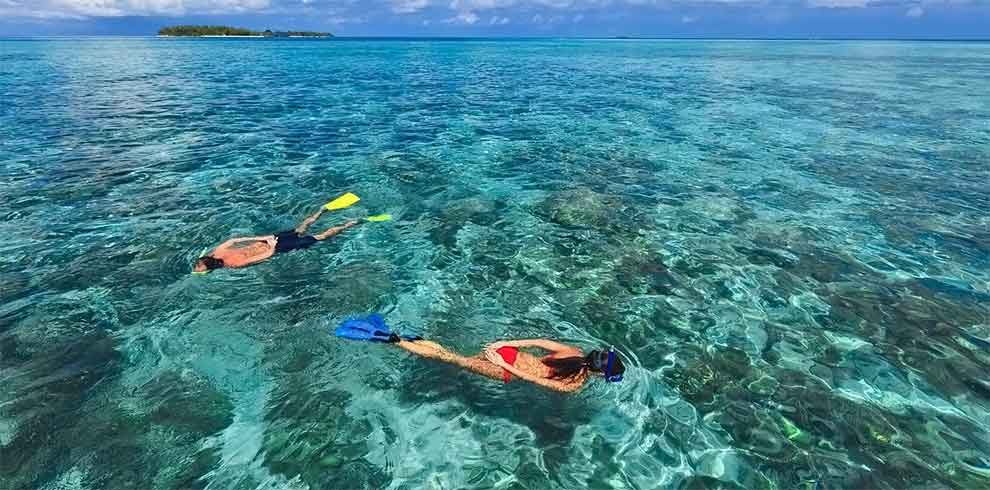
[788,241]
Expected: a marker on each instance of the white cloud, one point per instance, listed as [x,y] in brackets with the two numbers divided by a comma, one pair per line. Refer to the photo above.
[117,8]
[465,5]
[838,3]
[498,21]
[223,6]
[557,4]
[467,18]
[338,20]
[467,12]
[409,6]
[577,5]
[96,8]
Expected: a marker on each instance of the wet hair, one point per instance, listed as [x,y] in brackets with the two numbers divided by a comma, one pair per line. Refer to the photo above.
[566,367]
[211,262]
[596,360]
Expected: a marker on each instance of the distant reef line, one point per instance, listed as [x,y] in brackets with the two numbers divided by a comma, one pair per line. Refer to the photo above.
[225,31]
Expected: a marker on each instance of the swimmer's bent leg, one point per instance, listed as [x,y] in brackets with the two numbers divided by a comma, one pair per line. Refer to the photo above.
[335,230]
[436,351]
[309,221]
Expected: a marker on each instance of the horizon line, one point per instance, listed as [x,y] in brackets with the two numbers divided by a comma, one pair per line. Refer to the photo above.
[534,37]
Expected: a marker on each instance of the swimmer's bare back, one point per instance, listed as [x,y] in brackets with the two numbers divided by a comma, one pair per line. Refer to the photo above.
[526,366]
[242,252]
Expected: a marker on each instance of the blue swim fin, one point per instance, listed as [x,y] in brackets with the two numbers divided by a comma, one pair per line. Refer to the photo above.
[378,322]
[371,328]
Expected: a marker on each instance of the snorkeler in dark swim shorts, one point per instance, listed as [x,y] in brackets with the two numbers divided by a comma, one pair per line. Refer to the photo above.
[245,251]
[288,241]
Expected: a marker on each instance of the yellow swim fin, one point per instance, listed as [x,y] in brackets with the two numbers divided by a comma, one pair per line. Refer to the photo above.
[379,217]
[345,201]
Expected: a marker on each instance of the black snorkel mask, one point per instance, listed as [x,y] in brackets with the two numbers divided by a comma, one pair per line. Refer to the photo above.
[609,377]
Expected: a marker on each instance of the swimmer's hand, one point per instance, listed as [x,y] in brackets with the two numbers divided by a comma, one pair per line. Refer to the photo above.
[494,346]
[494,357]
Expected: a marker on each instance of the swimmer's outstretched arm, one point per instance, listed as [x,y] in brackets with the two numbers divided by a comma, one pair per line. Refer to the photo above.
[234,241]
[544,344]
[556,385]
[261,238]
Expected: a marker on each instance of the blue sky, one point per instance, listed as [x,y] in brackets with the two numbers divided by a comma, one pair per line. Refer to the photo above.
[674,18]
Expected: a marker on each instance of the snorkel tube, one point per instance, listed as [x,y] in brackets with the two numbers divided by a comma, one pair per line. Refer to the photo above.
[609,377]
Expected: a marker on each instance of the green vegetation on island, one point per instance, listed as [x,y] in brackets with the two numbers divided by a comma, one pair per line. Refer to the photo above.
[194,31]
[205,31]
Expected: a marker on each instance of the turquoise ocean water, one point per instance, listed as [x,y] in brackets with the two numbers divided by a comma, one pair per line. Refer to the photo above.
[788,242]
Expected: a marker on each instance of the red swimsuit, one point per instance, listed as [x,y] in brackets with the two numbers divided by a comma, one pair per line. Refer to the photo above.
[509,356]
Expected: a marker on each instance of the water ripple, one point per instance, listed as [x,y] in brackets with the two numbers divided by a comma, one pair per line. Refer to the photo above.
[795,267]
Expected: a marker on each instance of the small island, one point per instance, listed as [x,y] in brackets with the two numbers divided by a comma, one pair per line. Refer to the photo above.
[224,31]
